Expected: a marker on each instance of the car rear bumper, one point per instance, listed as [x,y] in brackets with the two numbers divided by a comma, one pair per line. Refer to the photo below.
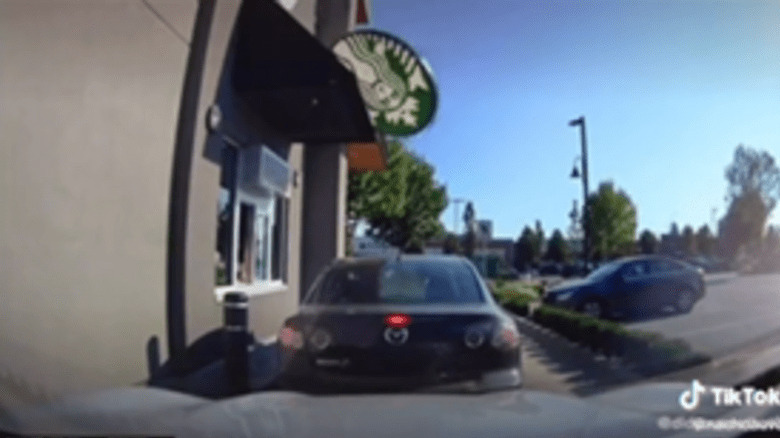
[304,371]
[321,382]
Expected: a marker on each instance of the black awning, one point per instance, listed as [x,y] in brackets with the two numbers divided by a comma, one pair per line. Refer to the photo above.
[292,81]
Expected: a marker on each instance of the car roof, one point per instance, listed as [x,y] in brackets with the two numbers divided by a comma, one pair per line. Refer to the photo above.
[644,257]
[417,258]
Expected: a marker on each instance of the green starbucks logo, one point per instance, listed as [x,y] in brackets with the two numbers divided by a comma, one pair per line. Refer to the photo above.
[395,83]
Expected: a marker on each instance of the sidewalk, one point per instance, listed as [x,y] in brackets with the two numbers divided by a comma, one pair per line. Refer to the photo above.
[554,364]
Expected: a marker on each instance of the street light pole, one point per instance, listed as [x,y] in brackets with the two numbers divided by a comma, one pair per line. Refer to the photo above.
[586,214]
[455,203]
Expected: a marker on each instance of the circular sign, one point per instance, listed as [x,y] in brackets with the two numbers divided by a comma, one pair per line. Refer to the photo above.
[395,83]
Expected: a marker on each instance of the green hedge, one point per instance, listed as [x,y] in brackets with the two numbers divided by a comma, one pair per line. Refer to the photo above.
[515,301]
[649,352]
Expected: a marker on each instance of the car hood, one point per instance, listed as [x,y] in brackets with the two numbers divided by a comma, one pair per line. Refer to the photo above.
[516,413]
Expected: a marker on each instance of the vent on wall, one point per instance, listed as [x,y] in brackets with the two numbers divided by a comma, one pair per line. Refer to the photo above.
[265,172]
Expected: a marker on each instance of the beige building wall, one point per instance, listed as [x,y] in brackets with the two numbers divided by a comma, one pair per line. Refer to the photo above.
[90,95]
[89,100]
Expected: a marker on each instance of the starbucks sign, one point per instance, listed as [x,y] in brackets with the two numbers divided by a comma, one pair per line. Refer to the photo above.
[395,83]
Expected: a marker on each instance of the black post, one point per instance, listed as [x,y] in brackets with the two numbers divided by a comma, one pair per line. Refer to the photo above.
[236,306]
[585,191]
[585,209]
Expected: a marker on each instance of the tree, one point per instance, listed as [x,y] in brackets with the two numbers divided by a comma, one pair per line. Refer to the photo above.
[671,243]
[525,249]
[772,241]
[612,222]
[753,189]
[674,231]
[648,243]
[557,248]
[689,241]
[753,171]
[451,244]
[540,241]
[402,205]
[742,227]
[705,241]
[575,226]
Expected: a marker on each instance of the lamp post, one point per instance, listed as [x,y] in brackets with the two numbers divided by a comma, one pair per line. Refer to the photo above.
[455,203]
[575,174]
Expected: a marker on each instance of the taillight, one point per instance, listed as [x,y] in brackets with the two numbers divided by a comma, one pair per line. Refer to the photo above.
[291,338]
[398,320]
[506,337]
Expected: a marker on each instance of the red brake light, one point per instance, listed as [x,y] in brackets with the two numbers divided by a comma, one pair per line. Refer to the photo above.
[290,338]
[506,337]
[398,320]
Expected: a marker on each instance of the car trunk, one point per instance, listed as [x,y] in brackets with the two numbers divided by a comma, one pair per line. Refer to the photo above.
[364,344]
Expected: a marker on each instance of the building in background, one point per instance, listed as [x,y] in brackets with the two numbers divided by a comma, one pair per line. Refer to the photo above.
[492,257]
[671,245]
[158,155]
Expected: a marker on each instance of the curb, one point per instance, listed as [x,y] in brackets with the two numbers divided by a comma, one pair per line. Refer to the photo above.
[584,372]
[600,359]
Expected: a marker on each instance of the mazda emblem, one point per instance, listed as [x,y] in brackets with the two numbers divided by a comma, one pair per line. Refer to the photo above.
[396,336]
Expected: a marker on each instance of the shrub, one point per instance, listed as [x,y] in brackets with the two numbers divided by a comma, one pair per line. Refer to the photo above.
[514,301]
[649,352]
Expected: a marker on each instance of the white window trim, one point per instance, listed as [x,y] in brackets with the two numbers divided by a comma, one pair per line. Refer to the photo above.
[246,198]
[261,287]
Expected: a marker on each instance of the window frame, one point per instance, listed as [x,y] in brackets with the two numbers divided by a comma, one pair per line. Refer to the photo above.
[265,203]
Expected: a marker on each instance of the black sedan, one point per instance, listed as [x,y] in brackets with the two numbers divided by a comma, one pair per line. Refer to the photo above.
[401,323]
[633,285]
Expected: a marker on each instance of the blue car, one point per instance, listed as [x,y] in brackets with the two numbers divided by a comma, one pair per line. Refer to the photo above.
[630,286]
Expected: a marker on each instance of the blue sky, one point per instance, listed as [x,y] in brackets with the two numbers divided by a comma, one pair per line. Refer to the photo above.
[668,90]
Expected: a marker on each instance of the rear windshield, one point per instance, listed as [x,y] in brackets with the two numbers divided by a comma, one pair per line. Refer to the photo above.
[398,283]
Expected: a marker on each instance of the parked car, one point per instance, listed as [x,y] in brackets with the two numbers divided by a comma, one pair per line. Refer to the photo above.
[508,273]
[413,321]
[550,269]
[574,270]
[632,285]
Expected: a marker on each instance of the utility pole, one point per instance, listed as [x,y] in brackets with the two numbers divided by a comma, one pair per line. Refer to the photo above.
[455,203]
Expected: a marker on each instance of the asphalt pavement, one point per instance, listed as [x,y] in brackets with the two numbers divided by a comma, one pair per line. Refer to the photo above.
[736,312]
